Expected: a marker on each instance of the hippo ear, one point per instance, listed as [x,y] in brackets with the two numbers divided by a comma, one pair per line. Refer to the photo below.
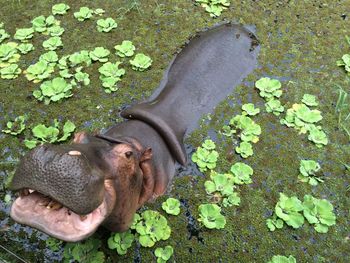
[146,155]
[148,176]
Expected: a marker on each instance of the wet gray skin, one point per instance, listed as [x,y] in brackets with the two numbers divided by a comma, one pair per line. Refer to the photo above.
[108,178]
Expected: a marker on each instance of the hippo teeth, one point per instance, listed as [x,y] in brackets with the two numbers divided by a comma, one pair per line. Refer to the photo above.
[45,201]
[54,205]
[82,218]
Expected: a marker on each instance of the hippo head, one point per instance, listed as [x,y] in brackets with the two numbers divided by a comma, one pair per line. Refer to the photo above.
[67,191]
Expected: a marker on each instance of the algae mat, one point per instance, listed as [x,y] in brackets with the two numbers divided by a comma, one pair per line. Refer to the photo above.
[300,44]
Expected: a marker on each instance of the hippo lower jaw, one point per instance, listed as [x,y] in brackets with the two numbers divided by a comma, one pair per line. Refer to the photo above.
[41,212]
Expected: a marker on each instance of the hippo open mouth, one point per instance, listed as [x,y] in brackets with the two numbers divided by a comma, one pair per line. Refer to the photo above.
[42,212]
[68,191]
[63,191]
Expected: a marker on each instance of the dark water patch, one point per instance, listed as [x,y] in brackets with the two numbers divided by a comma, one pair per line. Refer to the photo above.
[192,226]
[137,253]
[190,168]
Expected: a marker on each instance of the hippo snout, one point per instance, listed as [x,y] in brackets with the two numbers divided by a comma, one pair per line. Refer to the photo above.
[63,173]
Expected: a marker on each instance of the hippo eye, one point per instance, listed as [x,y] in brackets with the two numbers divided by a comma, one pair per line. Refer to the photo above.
[128,154]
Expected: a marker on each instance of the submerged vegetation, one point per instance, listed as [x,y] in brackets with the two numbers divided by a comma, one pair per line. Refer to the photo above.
[223,213]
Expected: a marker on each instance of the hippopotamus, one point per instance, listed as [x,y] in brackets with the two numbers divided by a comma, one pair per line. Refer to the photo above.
[68,191]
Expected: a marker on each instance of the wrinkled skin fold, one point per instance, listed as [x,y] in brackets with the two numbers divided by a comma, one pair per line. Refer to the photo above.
[68,191]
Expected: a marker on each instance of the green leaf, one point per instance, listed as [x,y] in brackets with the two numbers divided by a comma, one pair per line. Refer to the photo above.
[164,253]
[106,25]
[141,62]
[269,88]
[83,13]
[99,54]
[211,217]
[242,173]
[288,209]
[52,43]
[309,100]
[171,206]
[23,34]
[250,109]
[30,143]
[68,128]
[282,259]
[60,9]
[121,242]
[3,35]
[126,49]
[25,48]
[46,134]
[274,106]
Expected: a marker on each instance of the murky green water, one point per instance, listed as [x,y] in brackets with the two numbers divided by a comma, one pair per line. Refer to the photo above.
[300,43]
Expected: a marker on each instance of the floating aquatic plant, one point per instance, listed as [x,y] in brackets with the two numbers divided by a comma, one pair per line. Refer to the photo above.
[79,58]
[8,54]
[50,134]
[3,34]
[211,217]
[53,244]
[81,77]
[82,252]
[15,127]
[274,223]
[10,72]
[289,209]
[206,156]
[141,62]
[50,58]
[99,11]
[41,23]
[308,172]
[121,241]
[214,7]
[318,212]
[244,127]
[309,100]
[52,43]
[163,254]
[221,183]
[23,34]
[249,109]
[151,227]
[83,13]
[171,206]
[318,136]
[25,48]
[99,54]
[345,62]
[39,71]
[60,9]
[245,149]
[269,88]
[274,106]
[125,49]
[231,200]
[55,31]
[241,173]
[53,90]
[221,188]
[303,119]
[106,25]
[110,76]
[282,259]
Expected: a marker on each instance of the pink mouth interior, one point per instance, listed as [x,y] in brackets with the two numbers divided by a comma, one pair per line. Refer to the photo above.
[33,210]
